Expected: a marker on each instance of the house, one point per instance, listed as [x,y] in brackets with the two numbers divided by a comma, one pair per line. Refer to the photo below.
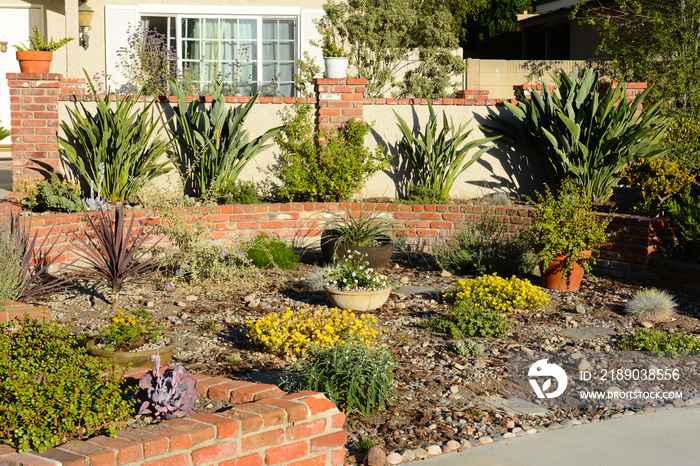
[266,37]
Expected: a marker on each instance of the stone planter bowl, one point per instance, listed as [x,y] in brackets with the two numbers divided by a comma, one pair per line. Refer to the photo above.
[358,300]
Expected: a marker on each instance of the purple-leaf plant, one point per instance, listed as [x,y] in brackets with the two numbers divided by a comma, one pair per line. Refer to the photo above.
[166,391]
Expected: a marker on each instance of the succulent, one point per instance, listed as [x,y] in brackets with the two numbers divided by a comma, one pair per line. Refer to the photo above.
[651,305]
[166,391]
[318,277]
[468,348]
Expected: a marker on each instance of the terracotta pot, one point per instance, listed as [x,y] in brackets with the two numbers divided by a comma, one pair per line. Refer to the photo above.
[377,256]
[134,359]
[32,61]
[358,300]
[554,279]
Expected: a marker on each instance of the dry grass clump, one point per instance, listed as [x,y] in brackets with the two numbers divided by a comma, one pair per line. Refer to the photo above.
[652,305]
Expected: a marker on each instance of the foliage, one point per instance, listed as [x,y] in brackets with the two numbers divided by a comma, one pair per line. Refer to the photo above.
[387,37]
[214,146]
[683,142]
[96,202]
[361,230]
[421,194]
[294,331]
[645,339]
[438,158]
[4,133]
[657,180]
[498,294]
[332,170]
[266,252]
[496,17]
[237,192]
[52,389]
[166,391]
[38,42]
[651,305]
[468,348]
[580,135]
[122,140]
[113,250]
[149,63]
[129,329]
[308,70]
[685,213]
[465,319]
[352,272]
[656,42]
[10,264]
[565,224]
[351,375]
[56,195]
[486,247]
[365,444]
[331,44]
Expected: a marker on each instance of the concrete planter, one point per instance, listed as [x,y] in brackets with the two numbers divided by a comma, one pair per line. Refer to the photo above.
[358,300]
[135,359]
[336,67]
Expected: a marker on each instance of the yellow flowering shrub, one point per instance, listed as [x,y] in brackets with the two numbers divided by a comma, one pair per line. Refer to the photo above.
[291,332]
[500,294]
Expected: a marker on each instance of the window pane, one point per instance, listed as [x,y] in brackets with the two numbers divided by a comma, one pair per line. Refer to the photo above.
[190,28]
[228,29]
[286,71]
[269,30]
[285,29]
[211,28]
[191,50]
[269,72]
[286,89]
[269,52]
[286,51]
[247,29]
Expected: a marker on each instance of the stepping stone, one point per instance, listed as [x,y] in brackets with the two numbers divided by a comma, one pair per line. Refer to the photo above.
[416,290]
[585,333]
[515,406]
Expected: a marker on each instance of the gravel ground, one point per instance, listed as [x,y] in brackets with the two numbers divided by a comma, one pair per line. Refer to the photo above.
[443,400]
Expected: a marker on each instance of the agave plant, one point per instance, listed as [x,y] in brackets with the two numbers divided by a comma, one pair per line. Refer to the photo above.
[166,391]
[438,158]
[113,252]
[580,135]
[214,146]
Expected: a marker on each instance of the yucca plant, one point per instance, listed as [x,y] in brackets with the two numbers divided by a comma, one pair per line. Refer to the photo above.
[122,138]
[113,252]
[438,158]
[4,133]
[582,136]
[214,146]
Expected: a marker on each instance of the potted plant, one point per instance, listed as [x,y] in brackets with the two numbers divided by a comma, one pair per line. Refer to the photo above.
[566,232]
[370,235]
[131,338]
[36,57]
[335,60]
[354,285]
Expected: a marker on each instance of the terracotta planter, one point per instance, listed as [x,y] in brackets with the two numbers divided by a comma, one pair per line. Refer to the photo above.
[32,61]
[554,279]
[135,359]
[377,256]
[359,300]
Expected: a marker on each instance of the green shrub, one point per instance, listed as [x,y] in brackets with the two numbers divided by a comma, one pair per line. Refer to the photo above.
[422,194]
[468,348]
[56,195]
[486,247]
[238,192]
[582,136]
[266,252]
[52,390]
[330,171]
[685,213]
[352,375]
[499,294]
[465,319]
[645,339]
[683,142]
[657,180]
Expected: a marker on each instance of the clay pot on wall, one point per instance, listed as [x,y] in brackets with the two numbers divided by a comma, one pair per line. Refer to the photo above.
[34,61]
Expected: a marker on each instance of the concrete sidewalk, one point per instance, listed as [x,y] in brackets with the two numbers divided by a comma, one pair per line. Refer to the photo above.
[670,437]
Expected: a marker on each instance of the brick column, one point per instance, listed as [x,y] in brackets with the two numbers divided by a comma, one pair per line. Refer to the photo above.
[34,119]
[338,100]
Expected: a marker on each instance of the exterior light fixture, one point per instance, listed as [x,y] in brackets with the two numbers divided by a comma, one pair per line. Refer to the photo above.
[84,20]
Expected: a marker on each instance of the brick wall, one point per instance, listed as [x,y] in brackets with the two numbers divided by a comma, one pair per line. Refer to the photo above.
[266,426]
[338,101]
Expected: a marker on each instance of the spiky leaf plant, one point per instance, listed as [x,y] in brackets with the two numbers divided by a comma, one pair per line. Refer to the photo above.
[651,305]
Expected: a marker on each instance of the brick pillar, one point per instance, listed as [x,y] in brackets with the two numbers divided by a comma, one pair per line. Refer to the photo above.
[34,119]
[338,100]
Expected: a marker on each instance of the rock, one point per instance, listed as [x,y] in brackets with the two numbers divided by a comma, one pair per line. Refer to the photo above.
[454,389]
[510,424]
[421,454]
[646,324]
[580,309]
[692,401]
[479,365]
[678,403]
[405,280]
[584,365]
[454,445]
[394,458]
[485,440]
[434,450]
[458,366]
[508,435]
[190,298]
[150,304]
[249,298]
[445,274]
[375,457]
[528,352]
[446,449]
[181,304]
[464,443]
[408,455]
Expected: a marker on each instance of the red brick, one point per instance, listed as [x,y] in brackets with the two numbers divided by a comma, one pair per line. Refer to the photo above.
[127,451]
[25,459]
[441,225]
[198,432]
[296,411]
[153,445]
[264,439]
[319,404]
[223,391]
[285,453]
[250,392]
[249,422]
[306,429]
[96,453]
[177,439]
[315,461]
[225,426]
[326,442]
[249,460]
[204,385]
[6,449]
[337,420]
[214,452]
[338,457]
[272,415]
[66,458]
[178,460]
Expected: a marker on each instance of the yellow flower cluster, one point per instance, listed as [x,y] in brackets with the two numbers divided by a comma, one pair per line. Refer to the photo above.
[123,319]
[293,331]
[500,294]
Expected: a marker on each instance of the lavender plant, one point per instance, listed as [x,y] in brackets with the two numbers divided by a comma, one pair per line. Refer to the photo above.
[166,391]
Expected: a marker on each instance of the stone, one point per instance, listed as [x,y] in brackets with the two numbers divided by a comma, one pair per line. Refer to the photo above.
[485,440]
[692,401]
[580,309]
[586,333]
[445,274]
[678,403]
[510,424]
[394,458]
[150,304]
[528,352]
[181,304]
[576,355]
[408,455]
[453,444]
[584,365]
[405,280]
[454,389]
[464,443]
[479,365]
[191,297]
[421,454]
[646,324]
[249,298]
[508,435]
[434,450]
[375,457]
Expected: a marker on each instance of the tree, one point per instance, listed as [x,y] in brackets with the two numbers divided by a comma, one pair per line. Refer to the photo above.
[497,17]
[657,41]
[388,38]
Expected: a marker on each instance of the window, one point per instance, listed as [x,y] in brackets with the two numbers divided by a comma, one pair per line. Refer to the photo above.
[247,54]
